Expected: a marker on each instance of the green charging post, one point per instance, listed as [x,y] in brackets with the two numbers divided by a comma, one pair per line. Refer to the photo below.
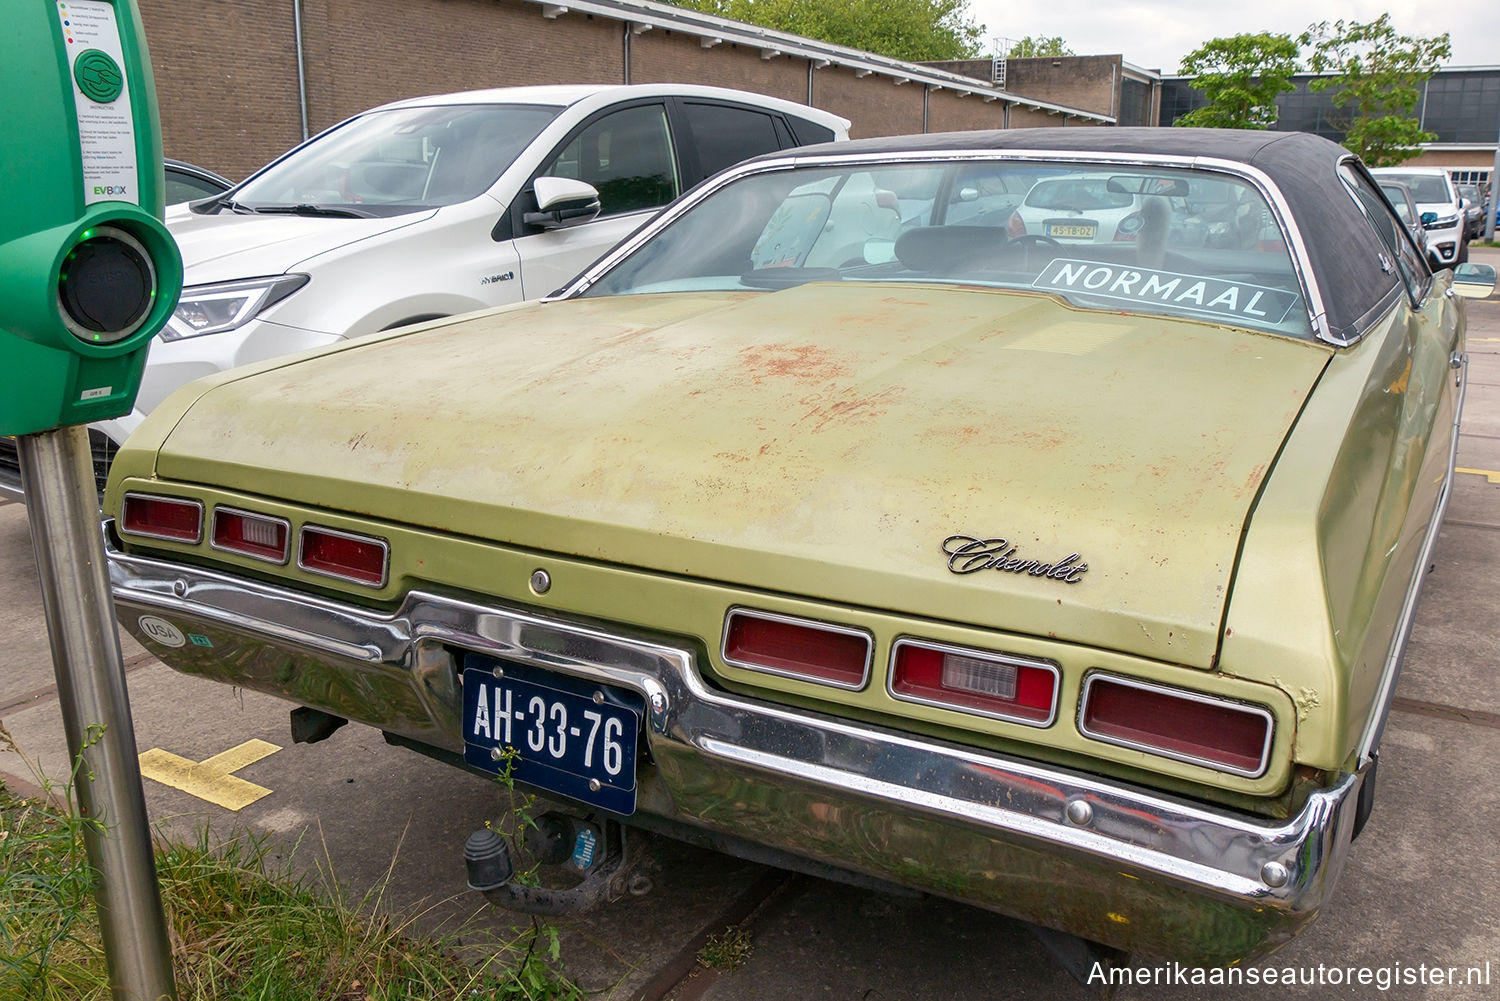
[88,275]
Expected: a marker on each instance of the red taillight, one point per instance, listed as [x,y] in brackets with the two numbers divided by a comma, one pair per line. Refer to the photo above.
[1129,228]
[256,535]
[1003,686]
[357,558]
[797,648]
[1228,736]
[168,518]
[1015,226]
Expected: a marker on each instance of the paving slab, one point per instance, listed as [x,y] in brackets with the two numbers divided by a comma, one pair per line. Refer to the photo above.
[25,654]
[1453,656]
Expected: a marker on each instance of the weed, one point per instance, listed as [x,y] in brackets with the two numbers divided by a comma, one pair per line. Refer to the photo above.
[242,926]
[727,950]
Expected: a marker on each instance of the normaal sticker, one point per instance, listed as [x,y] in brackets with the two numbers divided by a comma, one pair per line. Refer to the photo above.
[1189,293]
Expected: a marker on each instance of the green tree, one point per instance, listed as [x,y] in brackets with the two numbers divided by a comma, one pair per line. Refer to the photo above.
[915,30]
[1030,48]
[1241,76]
[1376,75]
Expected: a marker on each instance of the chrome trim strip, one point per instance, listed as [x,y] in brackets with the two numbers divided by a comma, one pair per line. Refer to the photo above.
[793,620]
[1369,740]
[185,501]
[1190,696]
[1267,865]
[1301,262]
[286,546]
[1204,868]
[977,654]
[385,555]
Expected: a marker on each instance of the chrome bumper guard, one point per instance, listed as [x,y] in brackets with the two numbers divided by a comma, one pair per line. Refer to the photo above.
[1100,859]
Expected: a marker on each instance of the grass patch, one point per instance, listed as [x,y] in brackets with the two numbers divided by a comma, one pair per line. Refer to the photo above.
[243,926]
[727,950]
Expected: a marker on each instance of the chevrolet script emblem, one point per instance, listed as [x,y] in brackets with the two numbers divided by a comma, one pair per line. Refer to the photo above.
[967,554]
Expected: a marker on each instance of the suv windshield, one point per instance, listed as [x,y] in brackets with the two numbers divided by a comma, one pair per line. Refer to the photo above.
[1158,240]
[401,160]
[1424,187]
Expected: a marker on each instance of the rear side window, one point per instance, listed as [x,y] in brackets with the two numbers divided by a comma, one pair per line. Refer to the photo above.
[1392,233]
[627,156]
[725,135]
[810,132]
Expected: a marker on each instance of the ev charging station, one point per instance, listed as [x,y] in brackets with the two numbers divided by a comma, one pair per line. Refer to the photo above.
[88,275]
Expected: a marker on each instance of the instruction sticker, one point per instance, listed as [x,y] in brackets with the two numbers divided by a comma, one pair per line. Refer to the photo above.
[101,95]
[1197,294]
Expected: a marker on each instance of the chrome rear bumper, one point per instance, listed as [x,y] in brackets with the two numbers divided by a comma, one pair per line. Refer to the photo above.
[1100,859]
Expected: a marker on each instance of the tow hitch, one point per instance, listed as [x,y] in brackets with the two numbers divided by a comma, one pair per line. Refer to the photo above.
[596,850]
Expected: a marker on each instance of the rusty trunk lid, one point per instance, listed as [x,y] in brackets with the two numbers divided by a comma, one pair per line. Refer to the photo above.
[837,441]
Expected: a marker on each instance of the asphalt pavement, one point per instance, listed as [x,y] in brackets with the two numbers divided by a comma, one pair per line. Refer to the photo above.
[1420,887]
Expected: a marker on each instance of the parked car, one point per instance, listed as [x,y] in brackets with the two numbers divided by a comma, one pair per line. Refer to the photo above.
[431,207]
[186,182]
[1401,200]
[1067,580]
[1441,208]
[1078,208]
[1473,204]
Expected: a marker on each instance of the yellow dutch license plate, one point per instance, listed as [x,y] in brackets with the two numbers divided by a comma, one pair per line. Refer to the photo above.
[1072,230]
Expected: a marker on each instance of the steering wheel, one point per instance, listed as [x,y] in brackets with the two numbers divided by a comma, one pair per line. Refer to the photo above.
[1029,240]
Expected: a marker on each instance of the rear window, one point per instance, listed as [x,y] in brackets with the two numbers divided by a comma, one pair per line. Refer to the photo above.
[1077,194]
[1169,241]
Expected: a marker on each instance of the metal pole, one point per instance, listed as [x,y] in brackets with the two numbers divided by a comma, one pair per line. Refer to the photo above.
[63,508]
[301,66]
[1494,205]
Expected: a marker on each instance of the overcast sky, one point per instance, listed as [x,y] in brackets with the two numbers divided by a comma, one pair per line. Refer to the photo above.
[1156,34]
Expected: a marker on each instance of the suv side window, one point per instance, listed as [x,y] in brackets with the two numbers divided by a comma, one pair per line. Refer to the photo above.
[1396,237]
[809,133]
[723,135]
[628,156]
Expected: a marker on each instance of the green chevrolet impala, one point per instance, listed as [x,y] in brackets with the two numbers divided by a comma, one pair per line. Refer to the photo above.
[1031,518]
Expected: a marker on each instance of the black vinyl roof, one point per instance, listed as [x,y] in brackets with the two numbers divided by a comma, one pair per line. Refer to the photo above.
[1342,248]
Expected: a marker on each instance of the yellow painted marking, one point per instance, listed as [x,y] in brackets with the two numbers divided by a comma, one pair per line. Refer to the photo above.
[1486,340]
[212,779]
[1489,474]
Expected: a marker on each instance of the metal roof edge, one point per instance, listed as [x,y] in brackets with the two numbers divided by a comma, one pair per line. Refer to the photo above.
[1308,73]
[709,26]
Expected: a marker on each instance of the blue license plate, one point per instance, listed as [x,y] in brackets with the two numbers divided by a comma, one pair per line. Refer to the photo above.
[569,736]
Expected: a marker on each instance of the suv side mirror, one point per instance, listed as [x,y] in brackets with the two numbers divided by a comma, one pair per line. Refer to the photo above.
[562,202]
[1428,218]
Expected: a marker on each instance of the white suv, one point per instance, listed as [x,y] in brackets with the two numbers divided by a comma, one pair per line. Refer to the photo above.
[1436,197]
[435,206]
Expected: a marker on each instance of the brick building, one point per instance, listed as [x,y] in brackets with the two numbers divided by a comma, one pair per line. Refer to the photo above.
[239,82]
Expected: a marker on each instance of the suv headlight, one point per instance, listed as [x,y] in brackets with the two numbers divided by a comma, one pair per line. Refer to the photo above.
[1444,221]
[213,309]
